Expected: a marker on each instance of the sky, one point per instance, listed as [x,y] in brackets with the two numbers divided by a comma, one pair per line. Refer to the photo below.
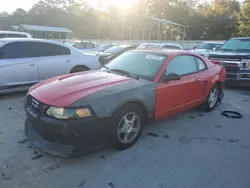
[11,5]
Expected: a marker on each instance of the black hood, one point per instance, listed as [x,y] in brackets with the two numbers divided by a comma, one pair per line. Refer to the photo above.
[230,55]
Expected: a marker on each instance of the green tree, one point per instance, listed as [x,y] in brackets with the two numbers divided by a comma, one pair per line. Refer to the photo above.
[244,20]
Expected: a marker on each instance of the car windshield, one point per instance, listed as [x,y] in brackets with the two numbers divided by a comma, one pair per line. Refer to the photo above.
[208,46]
[142,64]
[237,45]
[114,49]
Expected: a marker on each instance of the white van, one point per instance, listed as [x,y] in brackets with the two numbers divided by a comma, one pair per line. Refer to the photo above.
[14,34]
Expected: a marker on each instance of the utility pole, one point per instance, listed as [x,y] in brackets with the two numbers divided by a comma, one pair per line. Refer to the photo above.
[159,27]
[98,20]
[149,34]
[122,28]
[130,32]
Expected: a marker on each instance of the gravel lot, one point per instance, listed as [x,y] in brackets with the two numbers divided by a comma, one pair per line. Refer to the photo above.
[190,150]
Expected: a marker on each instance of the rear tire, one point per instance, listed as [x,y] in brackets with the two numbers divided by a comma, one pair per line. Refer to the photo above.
[79,69]
[212,99]
[126,126]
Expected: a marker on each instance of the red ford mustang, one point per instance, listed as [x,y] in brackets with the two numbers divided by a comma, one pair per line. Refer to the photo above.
[77,111]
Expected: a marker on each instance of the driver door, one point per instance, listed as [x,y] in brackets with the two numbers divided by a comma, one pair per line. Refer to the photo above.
[178,95]
[18,65]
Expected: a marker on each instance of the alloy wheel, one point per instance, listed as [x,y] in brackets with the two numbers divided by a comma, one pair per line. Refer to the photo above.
[128,128]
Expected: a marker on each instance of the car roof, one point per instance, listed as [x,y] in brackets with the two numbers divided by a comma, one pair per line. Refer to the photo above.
[212,42]
[124,45]
[14,32]
[242,38]
[162,44]
[10,40]
[168,52]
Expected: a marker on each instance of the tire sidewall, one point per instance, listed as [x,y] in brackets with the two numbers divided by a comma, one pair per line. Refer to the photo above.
[78,69]
[116,118]
[207,105]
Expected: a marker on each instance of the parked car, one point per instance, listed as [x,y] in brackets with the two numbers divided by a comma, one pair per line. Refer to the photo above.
[161,45]
[207,47]
[235,56]
[83,45]
[104,47]
[113,52]
[14,34]
[24,62]
[78,111]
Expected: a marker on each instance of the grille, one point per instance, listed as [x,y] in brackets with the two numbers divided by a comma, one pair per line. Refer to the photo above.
[245,76]
[231,65]
[231,76]
[41,106]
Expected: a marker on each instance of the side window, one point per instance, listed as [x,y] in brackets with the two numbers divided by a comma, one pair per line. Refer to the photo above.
[201,65]
[182,65]
[47,49]
[89,45]
[170,47]
[80,45]
[19,50]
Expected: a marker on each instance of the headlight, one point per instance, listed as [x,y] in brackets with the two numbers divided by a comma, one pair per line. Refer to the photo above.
[68,113]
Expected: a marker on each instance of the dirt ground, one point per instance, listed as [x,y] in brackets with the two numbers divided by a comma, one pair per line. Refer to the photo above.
[190,150]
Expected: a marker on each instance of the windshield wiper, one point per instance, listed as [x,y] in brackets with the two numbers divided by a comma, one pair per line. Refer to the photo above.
[108,69]
[125,73]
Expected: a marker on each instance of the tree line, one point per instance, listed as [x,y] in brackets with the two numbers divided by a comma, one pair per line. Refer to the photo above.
[216,20]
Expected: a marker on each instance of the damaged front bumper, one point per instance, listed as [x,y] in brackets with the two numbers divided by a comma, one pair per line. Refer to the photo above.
[55,149]
[65,138]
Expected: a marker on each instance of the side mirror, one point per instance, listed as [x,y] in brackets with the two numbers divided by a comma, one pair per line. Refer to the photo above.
[171,76]
[194,47]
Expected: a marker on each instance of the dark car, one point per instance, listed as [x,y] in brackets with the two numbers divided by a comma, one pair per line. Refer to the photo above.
[104,47]
[235,56]
[113,52]
[207,47]
[79,111]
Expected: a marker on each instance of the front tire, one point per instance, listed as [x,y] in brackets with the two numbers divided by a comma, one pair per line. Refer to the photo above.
[126,126]
[212,99]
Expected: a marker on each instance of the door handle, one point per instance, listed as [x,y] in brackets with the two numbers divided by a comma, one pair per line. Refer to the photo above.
[67,61]
[32,65]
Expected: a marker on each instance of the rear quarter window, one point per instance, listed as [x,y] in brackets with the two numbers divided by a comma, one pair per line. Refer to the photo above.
[48,49]
[17,50]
